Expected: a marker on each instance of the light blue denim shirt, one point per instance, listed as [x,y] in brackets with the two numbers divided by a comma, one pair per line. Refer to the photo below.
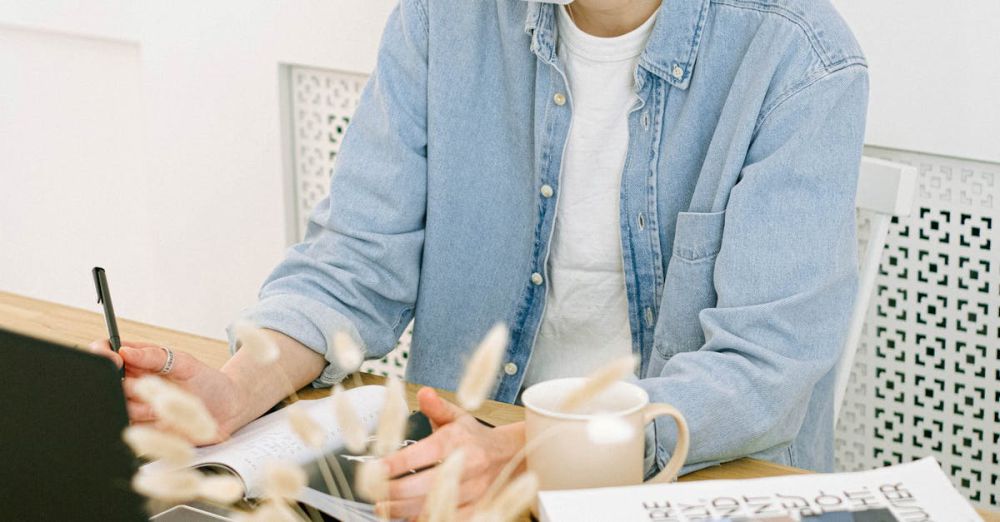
[737,210]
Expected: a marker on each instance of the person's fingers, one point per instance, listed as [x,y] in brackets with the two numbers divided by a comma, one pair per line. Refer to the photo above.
[408,508]
[140,411]
[465,512]
[469,491]
[412,486]
[134,373]
[152,358]
[128,386]
[148,358]
[418,485]
[103,348]
[426,452]
[438,410]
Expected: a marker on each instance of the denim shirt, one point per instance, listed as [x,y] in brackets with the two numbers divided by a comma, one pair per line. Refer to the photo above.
[737,211]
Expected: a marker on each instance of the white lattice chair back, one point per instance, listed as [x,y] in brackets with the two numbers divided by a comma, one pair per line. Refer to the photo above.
[885,190]
[926,373]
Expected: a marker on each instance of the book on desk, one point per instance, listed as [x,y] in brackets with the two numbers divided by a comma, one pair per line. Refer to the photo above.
[271,438]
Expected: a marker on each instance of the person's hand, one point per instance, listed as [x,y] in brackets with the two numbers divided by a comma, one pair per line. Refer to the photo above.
[487,451]
[212,386]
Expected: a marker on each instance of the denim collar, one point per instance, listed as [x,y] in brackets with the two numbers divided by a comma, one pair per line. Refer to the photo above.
[670,52]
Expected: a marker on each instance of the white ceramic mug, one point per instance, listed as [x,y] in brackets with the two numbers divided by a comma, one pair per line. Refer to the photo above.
[565,451]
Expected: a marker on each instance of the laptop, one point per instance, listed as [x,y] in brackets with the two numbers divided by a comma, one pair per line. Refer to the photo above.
[62,457]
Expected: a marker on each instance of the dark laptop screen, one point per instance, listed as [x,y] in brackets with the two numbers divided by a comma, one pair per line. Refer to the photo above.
[61,454]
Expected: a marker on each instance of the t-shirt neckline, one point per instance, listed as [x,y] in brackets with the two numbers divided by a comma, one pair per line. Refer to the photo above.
[604,49]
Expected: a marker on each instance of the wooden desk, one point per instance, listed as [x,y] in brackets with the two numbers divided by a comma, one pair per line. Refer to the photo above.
[76,327]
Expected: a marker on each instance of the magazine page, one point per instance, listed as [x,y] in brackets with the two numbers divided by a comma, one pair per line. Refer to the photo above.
[271,437]
[914,492]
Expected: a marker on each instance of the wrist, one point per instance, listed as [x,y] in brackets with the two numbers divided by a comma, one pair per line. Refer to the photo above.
[236,414]
[514,434]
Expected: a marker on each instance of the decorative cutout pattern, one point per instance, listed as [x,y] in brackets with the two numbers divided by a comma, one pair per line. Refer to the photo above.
[322,104]
[926,378]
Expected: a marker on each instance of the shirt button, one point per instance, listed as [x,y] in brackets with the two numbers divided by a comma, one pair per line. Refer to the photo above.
[649,316]
[559,98]
[546,191]
[536,279]
[678,72]
[645,120]
[510,368]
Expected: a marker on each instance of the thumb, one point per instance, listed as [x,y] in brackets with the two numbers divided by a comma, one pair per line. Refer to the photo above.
[437,410]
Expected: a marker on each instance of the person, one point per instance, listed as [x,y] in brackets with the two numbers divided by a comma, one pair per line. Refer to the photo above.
[606,177]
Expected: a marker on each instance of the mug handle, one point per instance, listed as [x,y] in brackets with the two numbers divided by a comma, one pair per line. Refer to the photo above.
[669,472]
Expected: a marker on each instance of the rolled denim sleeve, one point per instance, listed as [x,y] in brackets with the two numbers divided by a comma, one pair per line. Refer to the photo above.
[785,278]
[357,269]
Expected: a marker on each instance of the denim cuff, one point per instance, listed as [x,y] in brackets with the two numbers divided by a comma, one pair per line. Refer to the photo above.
[656,457]
[307,321]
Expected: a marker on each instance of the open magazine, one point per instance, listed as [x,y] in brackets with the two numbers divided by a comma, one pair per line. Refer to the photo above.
[270,438]
[914,492]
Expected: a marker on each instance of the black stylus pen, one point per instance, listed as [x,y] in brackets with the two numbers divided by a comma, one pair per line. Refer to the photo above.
[104,297]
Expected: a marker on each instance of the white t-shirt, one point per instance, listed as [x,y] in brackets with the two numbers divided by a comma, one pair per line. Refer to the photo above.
[586,311]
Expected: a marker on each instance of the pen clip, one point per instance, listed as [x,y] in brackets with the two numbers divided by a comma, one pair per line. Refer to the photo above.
[98,271]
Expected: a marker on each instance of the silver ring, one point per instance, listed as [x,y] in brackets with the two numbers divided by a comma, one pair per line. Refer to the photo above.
[169,365]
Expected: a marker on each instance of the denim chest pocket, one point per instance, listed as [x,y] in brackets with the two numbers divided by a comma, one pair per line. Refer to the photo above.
[698,235]
[689,286]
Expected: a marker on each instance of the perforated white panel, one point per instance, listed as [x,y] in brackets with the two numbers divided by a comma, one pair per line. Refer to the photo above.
[926,379]
[323,102]
[322,105]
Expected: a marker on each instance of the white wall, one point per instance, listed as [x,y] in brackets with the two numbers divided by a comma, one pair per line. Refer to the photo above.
[935,70]
[145,136]
[73,190]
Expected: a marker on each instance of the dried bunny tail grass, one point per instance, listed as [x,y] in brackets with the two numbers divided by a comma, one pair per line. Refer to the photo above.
[346,352]
[372,480]
[174,485]
[178,409]
[306,427]
[283,480]
[487,516]
[608,429]
[392,421]
[187,414]
[481,372]
[150,387]
[355,435]
[441,504]
[221,489]
[599,381]
[254,341]
[513,501]
[151,442]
